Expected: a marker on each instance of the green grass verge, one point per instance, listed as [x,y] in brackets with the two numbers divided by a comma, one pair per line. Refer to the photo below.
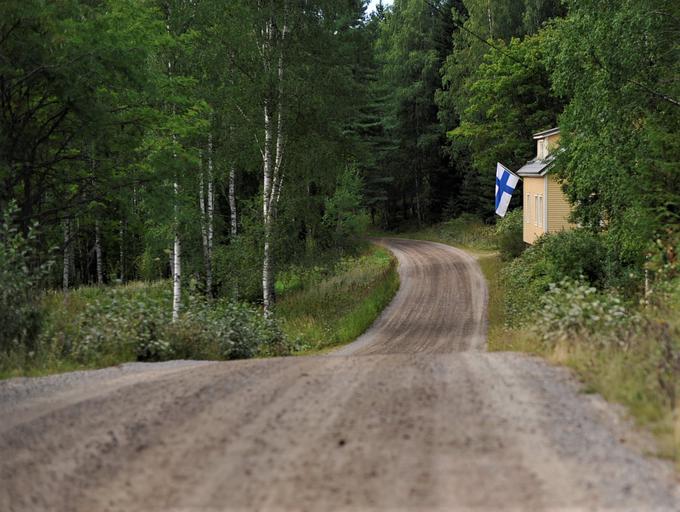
[320,306]
[465,232]
[630,378]
[325,313]
[627,377]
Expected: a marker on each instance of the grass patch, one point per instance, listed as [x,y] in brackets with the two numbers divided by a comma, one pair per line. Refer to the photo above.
[638,367]
[324,312]
[643,374]
[466,232]
[323,303]
[94,327]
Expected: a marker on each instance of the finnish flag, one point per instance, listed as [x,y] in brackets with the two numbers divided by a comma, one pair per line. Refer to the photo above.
[506,181]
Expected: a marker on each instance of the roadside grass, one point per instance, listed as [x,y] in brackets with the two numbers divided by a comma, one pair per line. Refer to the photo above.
[322,303]
[323,312]
[644,377]
[466,232]
[640,372]
[630,379]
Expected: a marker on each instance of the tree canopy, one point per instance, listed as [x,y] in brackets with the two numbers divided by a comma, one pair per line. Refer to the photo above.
[217,142]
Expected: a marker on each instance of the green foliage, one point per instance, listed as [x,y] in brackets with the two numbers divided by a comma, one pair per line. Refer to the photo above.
[467,231]
[68,68]
[21,273]
[508,97]
[334,304]
[510,235]
[226,330]
[495,93]
[576,254]
[575,311]
[411,177]
[617,62]
[99,326]
[525,280]
[343,215]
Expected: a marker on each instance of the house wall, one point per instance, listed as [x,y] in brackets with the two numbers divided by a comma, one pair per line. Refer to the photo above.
[558,207]
[547,145]
[553,142]
[533,188]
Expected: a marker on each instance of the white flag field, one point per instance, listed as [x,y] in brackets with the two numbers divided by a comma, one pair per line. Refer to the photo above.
[506,181]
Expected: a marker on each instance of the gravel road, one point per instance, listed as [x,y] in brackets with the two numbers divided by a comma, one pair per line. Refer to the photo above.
[414,415]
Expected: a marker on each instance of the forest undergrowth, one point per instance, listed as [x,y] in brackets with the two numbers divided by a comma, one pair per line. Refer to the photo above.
[320,306]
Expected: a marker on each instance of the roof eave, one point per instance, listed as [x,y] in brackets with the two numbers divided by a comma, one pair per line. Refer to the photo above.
[546,133]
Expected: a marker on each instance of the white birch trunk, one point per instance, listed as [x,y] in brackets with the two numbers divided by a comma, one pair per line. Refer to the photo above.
[272,156]
[67,255]
[176,255]
[210,218]
[267,263]
[98,254]
[177,245]
[121,252]
[177,262]
[203,208]
[207,205]
[232,200]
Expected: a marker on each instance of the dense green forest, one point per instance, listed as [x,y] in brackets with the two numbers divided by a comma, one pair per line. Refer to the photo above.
[218,145]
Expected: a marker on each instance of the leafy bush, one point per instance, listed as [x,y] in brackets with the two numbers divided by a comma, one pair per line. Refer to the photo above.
[343,215]
[20,313]
[576,254]
[226,330]
[467,230]
[95,324]
[133,322]
[510,236]
[524,280]
[574,310]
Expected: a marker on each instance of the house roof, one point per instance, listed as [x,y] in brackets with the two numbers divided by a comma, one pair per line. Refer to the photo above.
[546,133]
[536,167]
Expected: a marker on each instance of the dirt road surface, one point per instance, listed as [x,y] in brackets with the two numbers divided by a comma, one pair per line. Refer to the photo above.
[412,416]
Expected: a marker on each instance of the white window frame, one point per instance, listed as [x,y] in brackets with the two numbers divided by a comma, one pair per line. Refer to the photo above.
[528,209]
[536,210]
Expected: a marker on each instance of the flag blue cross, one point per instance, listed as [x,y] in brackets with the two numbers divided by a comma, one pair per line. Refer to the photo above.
[503,187]
[506,182]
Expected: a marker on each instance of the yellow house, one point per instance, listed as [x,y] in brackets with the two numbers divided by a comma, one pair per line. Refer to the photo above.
[546,209]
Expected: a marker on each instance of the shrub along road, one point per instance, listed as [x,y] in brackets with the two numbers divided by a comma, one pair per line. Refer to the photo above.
[413,415]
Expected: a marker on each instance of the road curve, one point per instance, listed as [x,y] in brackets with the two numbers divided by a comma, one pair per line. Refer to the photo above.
[412,416]
[440,307]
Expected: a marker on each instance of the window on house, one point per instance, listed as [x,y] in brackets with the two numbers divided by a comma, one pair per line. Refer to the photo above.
[540,211]
[541,151]
[536,213]
[527,209]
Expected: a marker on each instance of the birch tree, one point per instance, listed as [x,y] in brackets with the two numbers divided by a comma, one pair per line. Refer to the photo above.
[67,254]
[207,206]
[273,36]
[98,253]
[233,214]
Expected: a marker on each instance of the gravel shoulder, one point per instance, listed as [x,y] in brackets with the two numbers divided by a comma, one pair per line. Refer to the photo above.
[412,416]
